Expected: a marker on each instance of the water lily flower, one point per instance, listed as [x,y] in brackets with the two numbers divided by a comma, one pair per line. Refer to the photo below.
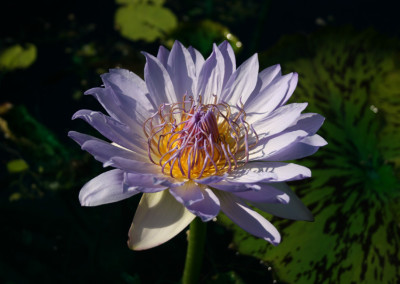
[197,137]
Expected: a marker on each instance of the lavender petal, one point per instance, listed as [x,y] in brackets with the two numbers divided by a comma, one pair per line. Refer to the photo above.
[187,194]
[163,55]
[248,219]
[198,60]
[266,194]
[101,150]
[211,77]
[294,210]
[113,130]
[181,68]
[105,188]
[158,81]
[206,209]
[229,60]
[242,82]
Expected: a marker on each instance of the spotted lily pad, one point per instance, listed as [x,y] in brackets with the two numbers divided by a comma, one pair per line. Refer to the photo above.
[352,79]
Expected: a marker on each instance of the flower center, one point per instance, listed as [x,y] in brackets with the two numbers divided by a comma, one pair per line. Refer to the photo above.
[192,140]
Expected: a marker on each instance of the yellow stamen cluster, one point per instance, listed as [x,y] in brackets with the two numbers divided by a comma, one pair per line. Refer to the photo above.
[193,140]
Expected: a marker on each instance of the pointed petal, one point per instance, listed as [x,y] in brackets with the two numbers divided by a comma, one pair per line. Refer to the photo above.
[197,58]
[248,219]
[278,120]
[211,77]
[105,188]
[271,97]
[269,74]
[79,138]
[181,68]
[126,83]
[269,172]
[295,142]
[303,148]
[113,130]
[268,147]
[158,81]
[265,77]
[314,140]
[294,210]
[242,82]
[101,150]
[158,218]
[229,60]
[162,55]
[133,166]
[119,107]
[309,122]
[292,86]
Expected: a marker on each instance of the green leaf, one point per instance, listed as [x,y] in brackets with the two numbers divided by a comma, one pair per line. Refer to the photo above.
[16,57]
[16,166]
[144,20]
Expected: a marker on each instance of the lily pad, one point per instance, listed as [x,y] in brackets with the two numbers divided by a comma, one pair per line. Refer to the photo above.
[16,166]
[17,57]
[144,20]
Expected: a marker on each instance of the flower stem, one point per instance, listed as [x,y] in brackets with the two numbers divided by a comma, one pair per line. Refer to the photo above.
[194,254]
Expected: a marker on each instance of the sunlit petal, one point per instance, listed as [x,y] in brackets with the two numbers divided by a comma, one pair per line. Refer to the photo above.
[158,218]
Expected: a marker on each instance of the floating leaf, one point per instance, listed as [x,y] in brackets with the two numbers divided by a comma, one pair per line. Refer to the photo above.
[16,166]
[144,20]
[17,57]
[352,79]
[15,196]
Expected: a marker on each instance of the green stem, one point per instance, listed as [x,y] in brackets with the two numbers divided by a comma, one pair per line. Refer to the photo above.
[194,255]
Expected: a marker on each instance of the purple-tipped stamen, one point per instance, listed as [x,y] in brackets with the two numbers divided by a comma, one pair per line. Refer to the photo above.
[193,140]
